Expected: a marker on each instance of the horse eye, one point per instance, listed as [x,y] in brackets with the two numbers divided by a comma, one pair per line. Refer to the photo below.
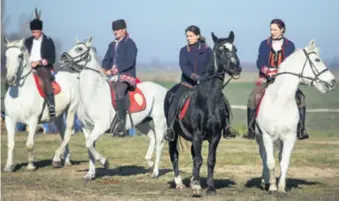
[317,60]
[20,56]
[79,49]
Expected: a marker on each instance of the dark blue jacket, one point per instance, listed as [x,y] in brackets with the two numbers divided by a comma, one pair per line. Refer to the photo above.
[265,49]
[194,60]
[125,58]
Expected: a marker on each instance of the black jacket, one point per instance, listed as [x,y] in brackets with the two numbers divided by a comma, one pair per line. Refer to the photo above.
[47,49]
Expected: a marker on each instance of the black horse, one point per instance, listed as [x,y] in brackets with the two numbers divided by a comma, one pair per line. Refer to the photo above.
[206,114]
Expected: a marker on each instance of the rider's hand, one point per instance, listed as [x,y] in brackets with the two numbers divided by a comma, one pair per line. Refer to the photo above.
[269,72]
[272,72]
[34,64]
[108,72]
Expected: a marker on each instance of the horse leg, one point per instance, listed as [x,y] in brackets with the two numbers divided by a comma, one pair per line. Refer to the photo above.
[174,155]
[195,180]
[268,144]
[146,129]
[10,127]
[30,143]
[56,162]
[159,129]
[66,133]
[212,152]
[288,145]
[91,170]
[90,140]
[265,172]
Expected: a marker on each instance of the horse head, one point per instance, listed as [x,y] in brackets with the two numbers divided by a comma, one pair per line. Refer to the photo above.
[225,55]
[78,56]
[16,59]
[314,72]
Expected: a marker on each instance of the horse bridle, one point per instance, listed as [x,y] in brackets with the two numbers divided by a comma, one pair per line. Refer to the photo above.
[21,66]
[73,62]
[313,68]
[220,75]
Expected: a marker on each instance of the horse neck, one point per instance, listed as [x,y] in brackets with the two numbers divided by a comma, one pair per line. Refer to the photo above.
[91,80]
[25,77]
[214,83]
[285,86]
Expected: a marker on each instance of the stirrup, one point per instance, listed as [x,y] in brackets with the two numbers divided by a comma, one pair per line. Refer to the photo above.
[249,135]
[168,132]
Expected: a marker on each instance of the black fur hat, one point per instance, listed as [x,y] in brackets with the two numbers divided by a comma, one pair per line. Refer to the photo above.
[36,24]
[118,24]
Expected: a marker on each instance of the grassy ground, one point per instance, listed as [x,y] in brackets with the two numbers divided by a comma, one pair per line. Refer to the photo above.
[313,173]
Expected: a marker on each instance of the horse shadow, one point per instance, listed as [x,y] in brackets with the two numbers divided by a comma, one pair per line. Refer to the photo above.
[125,171]
[218,183]
[290,183]
[43,164]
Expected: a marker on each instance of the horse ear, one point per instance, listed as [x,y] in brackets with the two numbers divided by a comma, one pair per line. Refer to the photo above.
[231,36]
[214,37]
[6,40]
[22,42]
[89,41]
[311,44]
[77,40]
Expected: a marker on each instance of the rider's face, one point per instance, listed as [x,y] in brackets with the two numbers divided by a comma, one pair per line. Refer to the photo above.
[119,33]
[36,34]
[276,32]
[191,37]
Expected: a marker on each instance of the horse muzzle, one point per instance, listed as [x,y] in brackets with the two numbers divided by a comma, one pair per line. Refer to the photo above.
[11,81]
[65,58]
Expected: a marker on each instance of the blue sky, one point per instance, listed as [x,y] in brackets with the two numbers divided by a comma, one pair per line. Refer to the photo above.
[158,26]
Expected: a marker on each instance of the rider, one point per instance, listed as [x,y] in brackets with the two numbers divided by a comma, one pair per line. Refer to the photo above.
[42,57]
[120,59]
[193,61]
[272,52]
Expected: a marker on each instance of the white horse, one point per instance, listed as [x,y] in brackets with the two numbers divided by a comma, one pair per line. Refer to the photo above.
[95,110]
[23,103]
[278,115]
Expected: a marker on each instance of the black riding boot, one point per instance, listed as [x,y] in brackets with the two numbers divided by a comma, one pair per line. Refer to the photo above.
[250,124]
[301,132]
[227,131]
[120,128]
[51,105]
[169,133]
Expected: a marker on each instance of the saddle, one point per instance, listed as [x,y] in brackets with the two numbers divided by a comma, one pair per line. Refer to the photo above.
[40,85]
[184,103]
[135,101]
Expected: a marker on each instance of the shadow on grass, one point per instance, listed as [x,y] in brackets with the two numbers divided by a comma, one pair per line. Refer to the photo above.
[128,170]
[290,183]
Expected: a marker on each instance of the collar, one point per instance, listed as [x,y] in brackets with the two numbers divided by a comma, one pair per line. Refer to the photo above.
[270,40]
[39,39]
[123,39]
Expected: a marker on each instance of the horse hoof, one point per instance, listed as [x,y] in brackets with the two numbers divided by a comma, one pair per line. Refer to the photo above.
[272,192]
[211,191]
[68,164]
[282,191]
[180,187]
[56,164]
[31,167]
[9,168]
[154,175]
[89,176]
[196,192]
[264,186]
[106,164]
